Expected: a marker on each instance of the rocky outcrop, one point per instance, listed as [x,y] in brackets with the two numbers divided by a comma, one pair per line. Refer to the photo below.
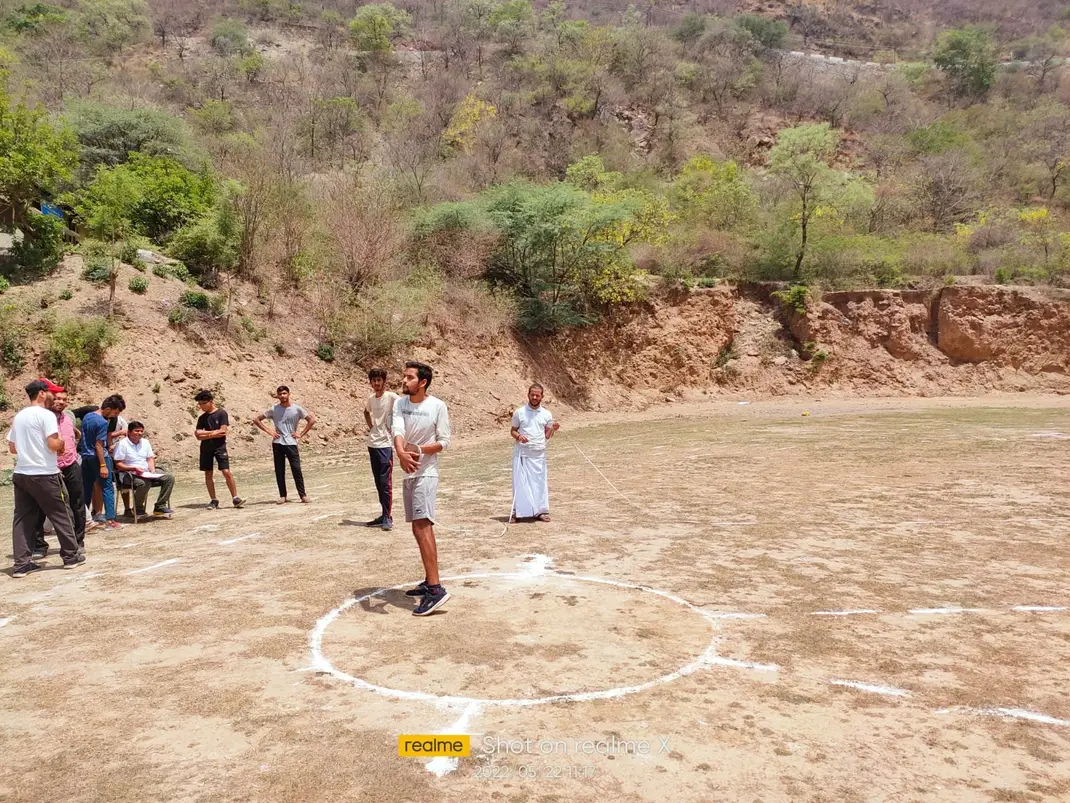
[1022,328]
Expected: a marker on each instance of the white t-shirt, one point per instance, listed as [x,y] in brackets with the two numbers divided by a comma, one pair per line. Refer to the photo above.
[380,408]
[29,432]
[423,424]
[135,455]
[532,424]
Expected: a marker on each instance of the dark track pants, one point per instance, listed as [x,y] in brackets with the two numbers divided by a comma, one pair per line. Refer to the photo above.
[282,453]
[72,485]
[37,495]
[382,469]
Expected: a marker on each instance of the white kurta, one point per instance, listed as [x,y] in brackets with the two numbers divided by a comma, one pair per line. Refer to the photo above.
[531,486]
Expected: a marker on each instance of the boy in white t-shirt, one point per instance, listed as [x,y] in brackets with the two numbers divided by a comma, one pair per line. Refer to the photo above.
[379,416]
[35,441]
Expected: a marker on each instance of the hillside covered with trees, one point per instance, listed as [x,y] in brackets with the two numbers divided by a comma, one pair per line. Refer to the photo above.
[529,163]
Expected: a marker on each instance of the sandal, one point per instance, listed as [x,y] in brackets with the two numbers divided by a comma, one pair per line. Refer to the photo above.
[543,517]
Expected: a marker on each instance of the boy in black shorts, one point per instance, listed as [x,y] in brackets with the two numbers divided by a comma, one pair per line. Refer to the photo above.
[212,433]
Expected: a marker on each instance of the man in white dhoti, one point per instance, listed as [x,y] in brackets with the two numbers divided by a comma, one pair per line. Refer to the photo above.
[533,426]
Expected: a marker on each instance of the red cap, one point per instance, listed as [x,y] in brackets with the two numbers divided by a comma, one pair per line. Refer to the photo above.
[52,387]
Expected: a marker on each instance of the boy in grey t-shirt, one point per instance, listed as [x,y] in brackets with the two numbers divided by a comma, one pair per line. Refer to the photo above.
[286,417]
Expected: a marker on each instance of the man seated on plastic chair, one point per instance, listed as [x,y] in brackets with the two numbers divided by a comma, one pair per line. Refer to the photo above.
[136,463]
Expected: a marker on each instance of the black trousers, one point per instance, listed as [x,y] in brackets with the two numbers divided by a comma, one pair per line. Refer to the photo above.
[37,495]
[282,453]
[72,482]
[382,461]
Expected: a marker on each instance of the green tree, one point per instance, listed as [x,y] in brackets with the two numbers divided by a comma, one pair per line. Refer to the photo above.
[108,215]
[160,197]
[108,135]
[713,193]
[377,25]
[767,34]
[35,157]
[563,251]
[109,26]
[967,56]
[801,159]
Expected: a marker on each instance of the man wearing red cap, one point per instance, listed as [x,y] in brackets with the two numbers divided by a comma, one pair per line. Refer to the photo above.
[70,472]
[35,441]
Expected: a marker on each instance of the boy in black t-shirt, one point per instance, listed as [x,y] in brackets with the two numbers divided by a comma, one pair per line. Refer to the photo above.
[212,433]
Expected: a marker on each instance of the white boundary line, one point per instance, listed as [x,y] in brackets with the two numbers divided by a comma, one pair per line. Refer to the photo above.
[239,538]
[872,688]
[709,657]
[154,566]
[1006,713]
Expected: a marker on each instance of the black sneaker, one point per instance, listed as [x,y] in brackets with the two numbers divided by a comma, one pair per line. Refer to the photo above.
[374,522]
[238,501]
[142,513]
[213,505]
[25,570]
[432,600]
[39,553]
[74,563]
[419,591]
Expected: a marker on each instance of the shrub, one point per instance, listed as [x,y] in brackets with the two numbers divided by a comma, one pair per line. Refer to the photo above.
[229,38]
[217,305]
[795,298]
[139,284]
[5,285]
[208,245]
[67,294]
[75,344]
[194,299]
[179,317]
[97,270]
[40,248]
[325,351]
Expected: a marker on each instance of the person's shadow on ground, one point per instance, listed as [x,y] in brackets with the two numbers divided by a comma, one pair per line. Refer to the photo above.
[380,603]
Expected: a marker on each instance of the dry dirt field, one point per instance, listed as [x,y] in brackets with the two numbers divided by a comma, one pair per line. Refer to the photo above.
[869,603]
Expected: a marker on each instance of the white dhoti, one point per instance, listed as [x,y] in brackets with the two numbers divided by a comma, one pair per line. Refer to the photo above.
[531,485]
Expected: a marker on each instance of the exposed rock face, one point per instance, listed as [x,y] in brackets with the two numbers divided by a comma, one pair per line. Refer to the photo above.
[1021,328]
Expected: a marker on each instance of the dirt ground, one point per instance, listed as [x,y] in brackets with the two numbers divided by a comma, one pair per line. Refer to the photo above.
[761,561]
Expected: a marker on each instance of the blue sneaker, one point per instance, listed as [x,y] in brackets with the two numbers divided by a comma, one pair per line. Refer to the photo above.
[419,591]
[433,599]
[388,524]
[26,569]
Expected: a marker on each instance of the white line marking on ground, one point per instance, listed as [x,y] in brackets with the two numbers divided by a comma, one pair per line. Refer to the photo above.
[717,660]
[1039,608]
[872,688]
[155,566]
[534,569]
[1006,713]
[204,527]
[1056,435]
[127,546]
[5,621]
[924,611]
[728,615]
[239,538]
[442,765]
[324,516]
[857,612]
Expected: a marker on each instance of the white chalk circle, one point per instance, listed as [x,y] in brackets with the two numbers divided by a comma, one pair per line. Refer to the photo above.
[539,566]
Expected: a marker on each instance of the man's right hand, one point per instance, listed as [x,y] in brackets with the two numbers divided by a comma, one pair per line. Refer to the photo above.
[409,462]
[521,438]
[103,472]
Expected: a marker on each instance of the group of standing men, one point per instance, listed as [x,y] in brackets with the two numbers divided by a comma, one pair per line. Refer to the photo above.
[60,468]
[414,426]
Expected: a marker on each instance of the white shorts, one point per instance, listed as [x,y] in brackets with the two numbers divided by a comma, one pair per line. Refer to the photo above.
[419,495]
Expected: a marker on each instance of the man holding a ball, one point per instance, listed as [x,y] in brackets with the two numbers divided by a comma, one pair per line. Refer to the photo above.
[421,430]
